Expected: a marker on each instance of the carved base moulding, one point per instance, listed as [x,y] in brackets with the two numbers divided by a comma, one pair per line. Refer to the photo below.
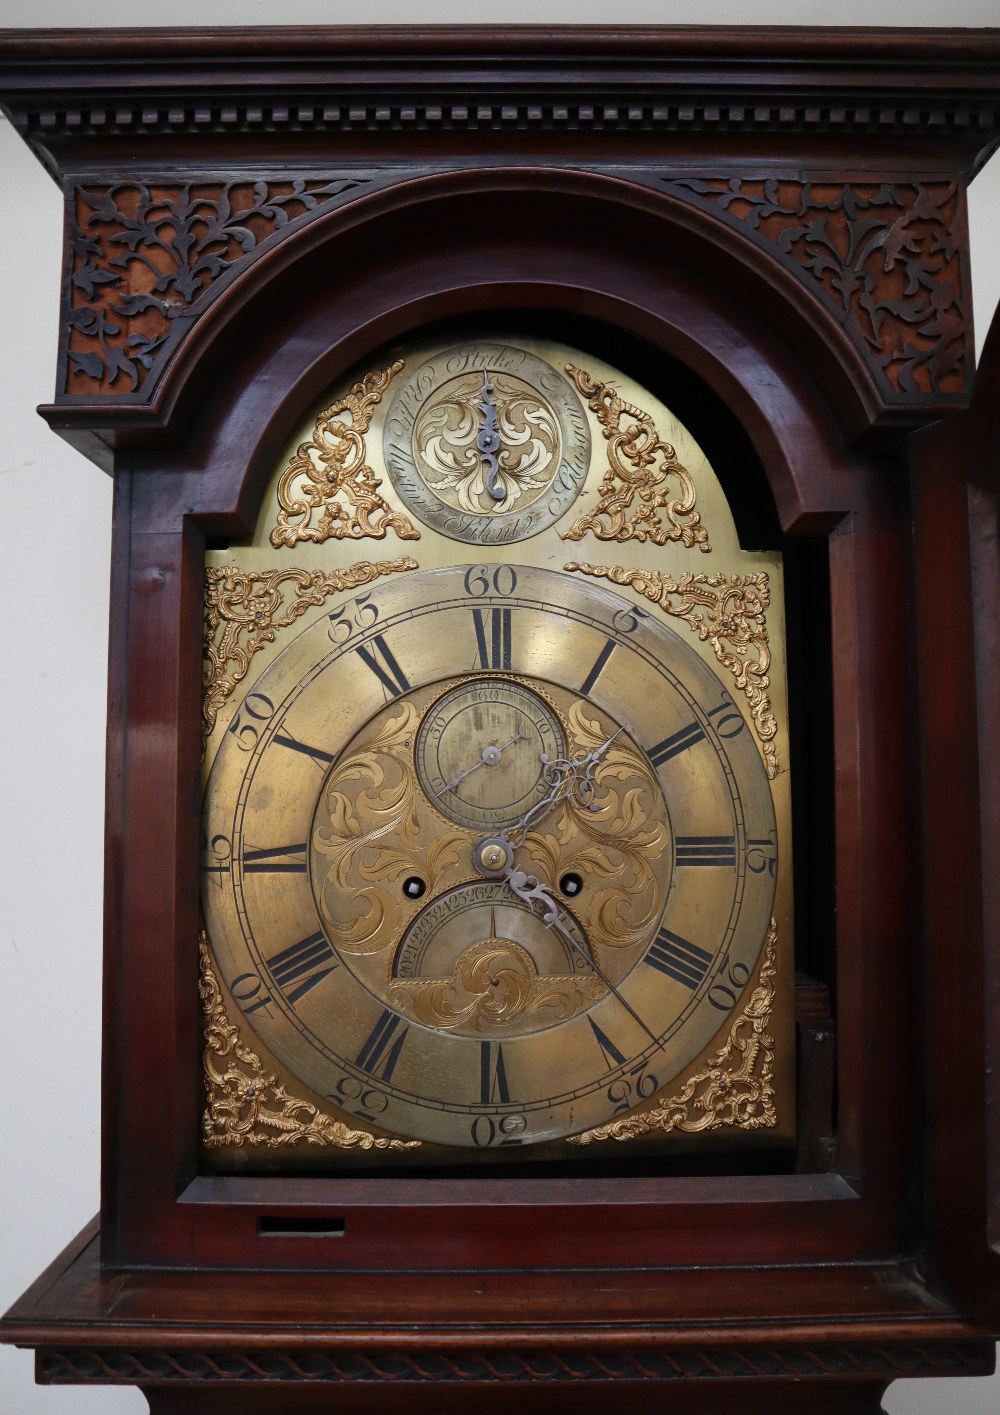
[218,1354]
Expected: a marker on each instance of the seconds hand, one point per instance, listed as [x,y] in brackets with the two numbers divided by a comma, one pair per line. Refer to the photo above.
[489,757]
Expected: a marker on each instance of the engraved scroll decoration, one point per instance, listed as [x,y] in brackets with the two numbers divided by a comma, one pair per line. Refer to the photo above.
[245,1105]
[328,490]
[243,609]
[726,611]
[734,1089]
[640,465]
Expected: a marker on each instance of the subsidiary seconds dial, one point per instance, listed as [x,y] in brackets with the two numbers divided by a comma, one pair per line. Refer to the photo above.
[482,749]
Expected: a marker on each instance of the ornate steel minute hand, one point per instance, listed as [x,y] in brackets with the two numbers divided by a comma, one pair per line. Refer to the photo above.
[567,777]
[488,439]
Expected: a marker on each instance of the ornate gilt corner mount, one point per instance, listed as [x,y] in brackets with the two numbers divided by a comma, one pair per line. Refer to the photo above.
[735,1088]
[247,1106]
[640,464]
[727,611]
[328,490]
[243,609]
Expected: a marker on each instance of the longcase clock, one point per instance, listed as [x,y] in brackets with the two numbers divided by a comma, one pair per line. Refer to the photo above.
[550,625]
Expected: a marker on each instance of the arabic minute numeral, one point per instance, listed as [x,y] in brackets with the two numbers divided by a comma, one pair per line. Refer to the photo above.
[480,579]
[732,978]
[248,993]
[727,719]
[628,1091]
[217,858]
[501,1130]
[361,613]
[255,710]
[364,1101]
[762,855]
[626,621]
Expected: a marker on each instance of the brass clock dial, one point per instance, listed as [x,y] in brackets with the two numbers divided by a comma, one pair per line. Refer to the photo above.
[494,860]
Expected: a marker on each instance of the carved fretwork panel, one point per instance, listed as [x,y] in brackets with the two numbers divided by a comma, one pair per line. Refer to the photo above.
[146,257]
[885,257]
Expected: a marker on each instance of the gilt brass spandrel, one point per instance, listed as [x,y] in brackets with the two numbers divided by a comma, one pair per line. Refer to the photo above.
[244,610]
[328,489]
[734,1090]
[246,1105]
[646,493]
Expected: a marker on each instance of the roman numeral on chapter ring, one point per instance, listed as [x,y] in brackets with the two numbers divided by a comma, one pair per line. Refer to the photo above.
[673,746]
[302,966]
[705,850]
[493,638]
[382,662]
[680,959]
[611,1053]
[322,759]
[493,1086]
[587,686]
[380,1052]
[278,860]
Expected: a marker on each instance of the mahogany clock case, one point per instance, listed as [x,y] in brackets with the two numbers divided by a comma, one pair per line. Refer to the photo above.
[857,454]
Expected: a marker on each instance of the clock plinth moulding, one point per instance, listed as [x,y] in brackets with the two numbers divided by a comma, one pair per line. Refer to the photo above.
[772,225]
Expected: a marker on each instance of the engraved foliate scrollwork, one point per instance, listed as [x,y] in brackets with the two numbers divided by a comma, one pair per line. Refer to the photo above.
[247,1106]
[446,436]
[372,827]
[617,836]
[495,986]
[726,611]
[328,490]
[244,609]
[734,1089]
[646,493]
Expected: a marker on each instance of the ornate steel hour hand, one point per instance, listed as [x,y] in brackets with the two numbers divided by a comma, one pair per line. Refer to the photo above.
[530,889]
[488,439]
[566,776]
[489,756]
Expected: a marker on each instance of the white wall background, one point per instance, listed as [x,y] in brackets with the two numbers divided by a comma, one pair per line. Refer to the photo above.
[55,512]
